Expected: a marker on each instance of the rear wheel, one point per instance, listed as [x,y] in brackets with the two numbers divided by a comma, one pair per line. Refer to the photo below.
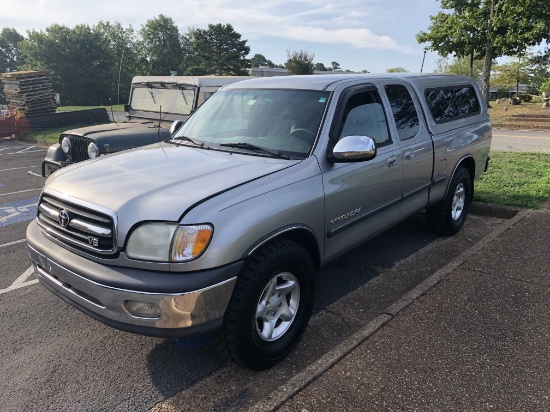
[448,216]
[270,307]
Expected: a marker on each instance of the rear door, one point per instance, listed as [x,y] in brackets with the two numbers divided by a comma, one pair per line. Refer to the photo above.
[415,142]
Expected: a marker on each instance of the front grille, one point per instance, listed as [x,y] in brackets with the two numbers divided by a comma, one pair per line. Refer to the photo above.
[77,225]
[79,148]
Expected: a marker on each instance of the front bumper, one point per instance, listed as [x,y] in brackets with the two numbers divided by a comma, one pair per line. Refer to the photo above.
[187,305]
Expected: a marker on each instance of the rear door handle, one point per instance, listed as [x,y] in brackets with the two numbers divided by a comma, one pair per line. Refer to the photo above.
[409,155]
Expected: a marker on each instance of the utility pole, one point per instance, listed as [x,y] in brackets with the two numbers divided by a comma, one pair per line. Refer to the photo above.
[423,58]
[119,71]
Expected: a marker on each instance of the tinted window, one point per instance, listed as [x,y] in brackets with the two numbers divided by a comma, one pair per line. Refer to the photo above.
[466,101]
[449,103]
[404,111]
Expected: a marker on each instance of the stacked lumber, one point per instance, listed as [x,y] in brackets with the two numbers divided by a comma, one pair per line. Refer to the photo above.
[30,92]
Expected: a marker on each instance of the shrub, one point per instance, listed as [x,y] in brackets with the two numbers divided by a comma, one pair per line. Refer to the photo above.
[545,86]
[525,97]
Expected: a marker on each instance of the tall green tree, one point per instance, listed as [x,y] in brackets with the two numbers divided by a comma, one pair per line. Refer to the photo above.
[75,59]
[10,54]
[218,50]
[161,46]
[299,62]
[488,28]
[124,57]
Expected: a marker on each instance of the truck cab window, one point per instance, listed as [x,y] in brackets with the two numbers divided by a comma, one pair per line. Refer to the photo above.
[404,111]
[364,116]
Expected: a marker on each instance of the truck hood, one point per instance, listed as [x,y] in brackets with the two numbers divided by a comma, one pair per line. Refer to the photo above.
[160,181]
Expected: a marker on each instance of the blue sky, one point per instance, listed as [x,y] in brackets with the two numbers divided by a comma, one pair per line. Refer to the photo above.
[359,34]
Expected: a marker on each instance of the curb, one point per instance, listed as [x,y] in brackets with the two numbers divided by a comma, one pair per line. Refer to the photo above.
[315,370]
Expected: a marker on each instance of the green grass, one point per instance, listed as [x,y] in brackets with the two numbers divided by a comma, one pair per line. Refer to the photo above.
[515,179]
[116,108]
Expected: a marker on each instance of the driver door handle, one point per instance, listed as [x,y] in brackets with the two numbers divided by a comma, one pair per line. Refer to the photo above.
[392,161]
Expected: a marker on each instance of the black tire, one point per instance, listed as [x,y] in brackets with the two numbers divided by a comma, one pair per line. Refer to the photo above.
[244,337]
[448,216]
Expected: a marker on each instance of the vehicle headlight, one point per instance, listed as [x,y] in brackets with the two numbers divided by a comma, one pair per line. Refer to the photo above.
[66,145]
[168,242]
[93,150]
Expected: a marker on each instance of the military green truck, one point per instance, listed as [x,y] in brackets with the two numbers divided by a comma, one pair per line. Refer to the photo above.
[155,103]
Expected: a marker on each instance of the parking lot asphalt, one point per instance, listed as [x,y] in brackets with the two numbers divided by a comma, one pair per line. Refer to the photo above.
[472,336]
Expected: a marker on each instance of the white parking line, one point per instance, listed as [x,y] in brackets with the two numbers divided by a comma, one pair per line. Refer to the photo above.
[12,243]
[21,281]
[21,191]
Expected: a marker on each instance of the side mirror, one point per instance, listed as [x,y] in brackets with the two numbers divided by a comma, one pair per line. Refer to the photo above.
[353,149]
[175,127]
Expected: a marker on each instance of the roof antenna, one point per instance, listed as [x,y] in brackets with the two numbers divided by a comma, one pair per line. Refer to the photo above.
[158,130]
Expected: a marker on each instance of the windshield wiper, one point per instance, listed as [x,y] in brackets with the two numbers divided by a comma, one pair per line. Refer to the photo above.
[254,148]
[190,139]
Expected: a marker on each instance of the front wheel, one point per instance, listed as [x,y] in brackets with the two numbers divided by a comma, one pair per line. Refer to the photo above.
[270,307]
[448,216]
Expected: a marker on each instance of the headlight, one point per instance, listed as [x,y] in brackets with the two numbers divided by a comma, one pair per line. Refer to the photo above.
[93,151]
[66,145]
[168,242]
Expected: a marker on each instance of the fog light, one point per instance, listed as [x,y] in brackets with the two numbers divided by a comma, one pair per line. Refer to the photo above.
[142,309]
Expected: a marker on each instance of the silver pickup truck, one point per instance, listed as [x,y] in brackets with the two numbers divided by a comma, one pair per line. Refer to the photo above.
[221,227]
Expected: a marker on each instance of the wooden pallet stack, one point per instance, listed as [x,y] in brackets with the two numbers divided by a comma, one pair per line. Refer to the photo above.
[30,92]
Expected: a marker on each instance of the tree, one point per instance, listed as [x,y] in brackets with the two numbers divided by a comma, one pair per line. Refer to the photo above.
[258,60]
[320,67]
[512,74]
[218,50]
[396,70]
[161,46]
[488,29]
[465,67]
[75,59]
[539,69]
[299,62]
[10,54]
[335,67]
[124,54]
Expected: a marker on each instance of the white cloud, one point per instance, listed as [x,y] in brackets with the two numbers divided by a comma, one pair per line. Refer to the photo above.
[319,21]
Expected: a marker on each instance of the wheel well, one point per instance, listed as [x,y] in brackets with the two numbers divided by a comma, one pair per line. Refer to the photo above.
[470,165]
[305,239]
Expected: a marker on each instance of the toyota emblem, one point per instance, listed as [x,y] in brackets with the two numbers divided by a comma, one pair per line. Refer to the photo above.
[64,218]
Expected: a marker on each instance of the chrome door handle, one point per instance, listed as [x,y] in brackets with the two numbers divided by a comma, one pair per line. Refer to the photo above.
[409,155]
[392,161]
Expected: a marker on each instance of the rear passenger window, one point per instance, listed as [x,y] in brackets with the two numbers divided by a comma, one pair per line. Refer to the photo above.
[449,103]
[404,111]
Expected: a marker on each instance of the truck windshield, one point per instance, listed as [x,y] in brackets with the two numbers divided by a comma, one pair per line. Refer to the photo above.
[285,121]
[156,98]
